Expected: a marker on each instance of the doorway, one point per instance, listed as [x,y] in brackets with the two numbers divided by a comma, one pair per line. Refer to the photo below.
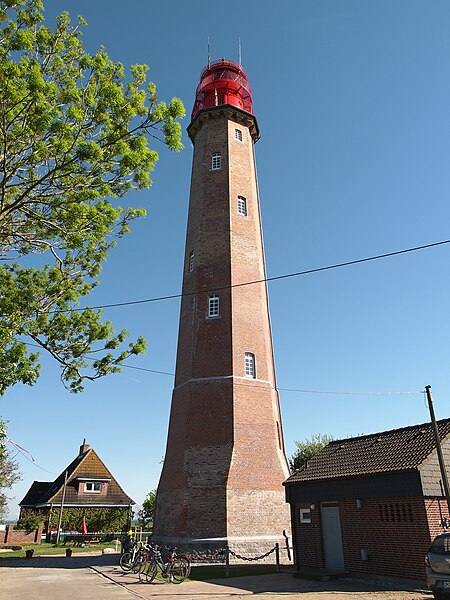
[332,536]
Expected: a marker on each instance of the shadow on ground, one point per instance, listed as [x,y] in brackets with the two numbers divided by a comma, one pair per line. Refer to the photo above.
[76,561]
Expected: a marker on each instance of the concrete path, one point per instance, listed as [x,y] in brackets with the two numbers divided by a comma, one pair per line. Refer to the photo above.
[281,586]
[97,577]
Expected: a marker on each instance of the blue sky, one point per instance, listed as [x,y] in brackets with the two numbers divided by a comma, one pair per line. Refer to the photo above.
[353,103]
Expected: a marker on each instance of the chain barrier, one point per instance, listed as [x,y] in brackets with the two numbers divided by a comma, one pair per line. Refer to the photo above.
[238,556]
[218,555]
[199,556]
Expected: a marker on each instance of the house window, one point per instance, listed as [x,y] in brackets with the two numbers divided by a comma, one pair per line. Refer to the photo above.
[305,515]
[250,365]
[238,134]
[93,487]
[216,162]
[242,206]
[213,306]
[191,262]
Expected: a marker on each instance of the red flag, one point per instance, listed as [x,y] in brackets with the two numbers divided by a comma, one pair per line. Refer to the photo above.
[84,526]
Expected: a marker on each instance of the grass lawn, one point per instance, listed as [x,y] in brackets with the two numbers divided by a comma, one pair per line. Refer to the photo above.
[52,549]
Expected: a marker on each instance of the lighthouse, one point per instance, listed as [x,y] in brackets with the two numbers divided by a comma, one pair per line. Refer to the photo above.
[225,461]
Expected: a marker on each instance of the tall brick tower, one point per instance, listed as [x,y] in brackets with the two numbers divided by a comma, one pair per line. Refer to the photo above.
[225,460]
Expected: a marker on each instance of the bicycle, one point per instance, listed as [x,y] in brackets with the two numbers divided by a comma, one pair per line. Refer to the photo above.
[175,570]
[133,559]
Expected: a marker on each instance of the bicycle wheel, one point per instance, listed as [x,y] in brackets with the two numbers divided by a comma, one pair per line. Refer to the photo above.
[126,561]
[138,563]
[148,572]
[179,569]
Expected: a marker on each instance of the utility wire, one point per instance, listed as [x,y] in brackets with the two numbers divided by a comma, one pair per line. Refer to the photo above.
[300,391]
[265,280]
[349,393]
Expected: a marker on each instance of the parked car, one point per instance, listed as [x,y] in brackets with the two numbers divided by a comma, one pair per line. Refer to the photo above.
[437,563]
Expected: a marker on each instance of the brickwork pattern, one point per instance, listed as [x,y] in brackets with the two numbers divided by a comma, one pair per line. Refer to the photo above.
[18,536]
[396,532]
[430,473]
[308,538]
[225,462]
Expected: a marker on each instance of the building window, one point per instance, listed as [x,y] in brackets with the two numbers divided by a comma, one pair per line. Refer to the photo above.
[93,487]
[213,306]
[242,206]
[250,365]
[305,515]
[191,262]
[216,162]
[238,134]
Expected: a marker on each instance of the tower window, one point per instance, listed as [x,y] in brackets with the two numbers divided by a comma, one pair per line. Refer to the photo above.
[213,306]
[216,162]
[238,134]
[250,370]
[242,206]
[191,261]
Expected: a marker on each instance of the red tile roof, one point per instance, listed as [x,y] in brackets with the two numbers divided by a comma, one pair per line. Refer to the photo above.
[395,450]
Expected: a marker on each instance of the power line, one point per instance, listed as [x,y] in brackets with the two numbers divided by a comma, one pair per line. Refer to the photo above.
[350,393]
[265,280]
[300,391]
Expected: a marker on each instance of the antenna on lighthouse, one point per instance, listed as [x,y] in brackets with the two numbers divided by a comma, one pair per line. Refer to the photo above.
[209,52]
[239,52]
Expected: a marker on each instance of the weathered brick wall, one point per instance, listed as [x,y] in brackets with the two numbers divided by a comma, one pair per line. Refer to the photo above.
[396,533]
[308,538]
[437,511]
[225,463]
[18,536]
[430,472]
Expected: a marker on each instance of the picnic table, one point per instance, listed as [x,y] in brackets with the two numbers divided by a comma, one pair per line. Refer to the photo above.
[81,538]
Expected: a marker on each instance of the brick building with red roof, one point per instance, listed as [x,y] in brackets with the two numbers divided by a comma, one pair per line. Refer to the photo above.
[370,505]
[91,492]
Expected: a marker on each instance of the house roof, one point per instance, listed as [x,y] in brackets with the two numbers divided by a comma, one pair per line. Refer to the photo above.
[37,490]
[87,465]
[389,451]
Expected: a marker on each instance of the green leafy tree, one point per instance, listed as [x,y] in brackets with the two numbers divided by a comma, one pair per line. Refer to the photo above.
[9,472]
[307,449]
[74,137]
[147,512]
[29,522]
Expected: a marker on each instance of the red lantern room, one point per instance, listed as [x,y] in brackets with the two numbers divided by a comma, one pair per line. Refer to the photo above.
[223,82]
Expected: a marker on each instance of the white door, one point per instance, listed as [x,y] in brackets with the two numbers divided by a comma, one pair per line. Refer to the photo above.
[332,537]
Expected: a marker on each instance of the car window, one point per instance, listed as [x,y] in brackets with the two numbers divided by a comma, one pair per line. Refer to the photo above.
[441,545]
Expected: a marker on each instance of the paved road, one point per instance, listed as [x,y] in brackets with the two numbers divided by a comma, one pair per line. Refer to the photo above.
[99,578]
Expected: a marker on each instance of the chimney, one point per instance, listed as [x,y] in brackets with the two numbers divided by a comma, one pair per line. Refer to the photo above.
[84,447]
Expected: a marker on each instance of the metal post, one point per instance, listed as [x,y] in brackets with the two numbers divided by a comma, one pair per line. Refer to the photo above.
[438,447]
[227,561]
[286,539]
[62,507]
[277,557]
